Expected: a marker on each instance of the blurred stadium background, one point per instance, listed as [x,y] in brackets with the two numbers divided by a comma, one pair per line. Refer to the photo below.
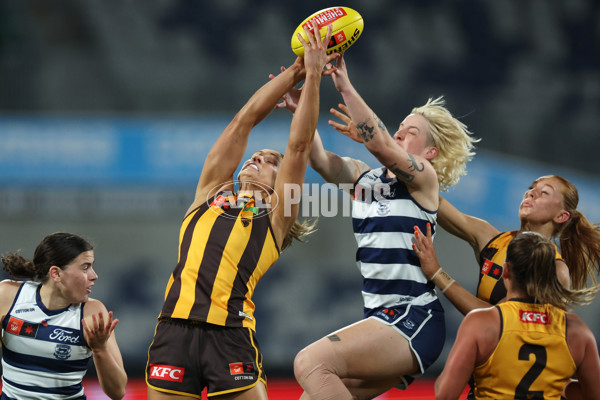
[108,108]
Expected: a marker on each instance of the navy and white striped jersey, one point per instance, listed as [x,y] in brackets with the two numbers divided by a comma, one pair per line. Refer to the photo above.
[383,217]
[44,354]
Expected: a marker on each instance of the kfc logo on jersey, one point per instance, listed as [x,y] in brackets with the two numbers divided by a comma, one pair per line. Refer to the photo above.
[166,373]
[534,317]
[14,325]
[492,270]
[21,328]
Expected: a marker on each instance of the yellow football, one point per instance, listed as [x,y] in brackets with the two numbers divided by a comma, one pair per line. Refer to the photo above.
[347,26]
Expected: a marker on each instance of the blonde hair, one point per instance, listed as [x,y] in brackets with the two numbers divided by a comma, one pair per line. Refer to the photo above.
[451,137]
[532,261]
[299,231]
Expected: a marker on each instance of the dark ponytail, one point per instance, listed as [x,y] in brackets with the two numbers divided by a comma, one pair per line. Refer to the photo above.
[58,249]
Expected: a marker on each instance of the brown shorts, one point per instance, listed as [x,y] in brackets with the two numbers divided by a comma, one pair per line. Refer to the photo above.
[187,356]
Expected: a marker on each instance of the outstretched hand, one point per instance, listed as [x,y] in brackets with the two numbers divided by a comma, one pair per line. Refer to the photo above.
[315,49]
[98,333]
[315,56]
[348,128]
[423,247]
[290,99]
[341,80]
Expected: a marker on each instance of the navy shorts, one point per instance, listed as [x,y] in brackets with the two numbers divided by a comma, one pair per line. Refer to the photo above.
[423,326]
[187,356]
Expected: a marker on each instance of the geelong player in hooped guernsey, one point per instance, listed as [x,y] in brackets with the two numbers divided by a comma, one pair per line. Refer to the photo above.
[51,328]
[42,348]
[426,154]
[391,273]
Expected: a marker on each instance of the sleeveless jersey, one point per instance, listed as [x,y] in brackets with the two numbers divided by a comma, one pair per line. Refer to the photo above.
[532,359]
[491,262]
[44,354]
[383,218]
[224,250]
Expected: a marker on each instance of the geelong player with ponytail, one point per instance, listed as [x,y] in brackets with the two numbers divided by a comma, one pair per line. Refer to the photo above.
[51,328]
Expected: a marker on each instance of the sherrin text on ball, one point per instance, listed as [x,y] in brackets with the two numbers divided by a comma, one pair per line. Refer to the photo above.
[347,27]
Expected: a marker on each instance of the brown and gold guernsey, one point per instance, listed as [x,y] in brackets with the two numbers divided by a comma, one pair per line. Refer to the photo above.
[224,250]
[532,359]
[491,262]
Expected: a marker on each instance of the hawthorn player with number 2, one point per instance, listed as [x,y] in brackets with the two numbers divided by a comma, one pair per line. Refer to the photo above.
[527,347]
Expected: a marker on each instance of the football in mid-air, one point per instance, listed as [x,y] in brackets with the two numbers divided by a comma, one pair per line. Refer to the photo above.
[347,26]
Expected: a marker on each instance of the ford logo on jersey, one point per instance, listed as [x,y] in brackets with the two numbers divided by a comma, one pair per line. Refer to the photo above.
[63,335]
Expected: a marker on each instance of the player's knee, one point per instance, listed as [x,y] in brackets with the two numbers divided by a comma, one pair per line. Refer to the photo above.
[303,363]
[313,359]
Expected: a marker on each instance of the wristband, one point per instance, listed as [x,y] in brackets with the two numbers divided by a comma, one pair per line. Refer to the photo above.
[447,286]
[436,272]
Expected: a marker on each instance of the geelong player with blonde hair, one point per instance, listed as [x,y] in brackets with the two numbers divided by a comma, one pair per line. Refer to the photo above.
[403,330]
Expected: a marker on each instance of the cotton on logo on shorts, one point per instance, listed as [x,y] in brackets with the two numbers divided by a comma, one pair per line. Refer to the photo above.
[534,317]
[166,373]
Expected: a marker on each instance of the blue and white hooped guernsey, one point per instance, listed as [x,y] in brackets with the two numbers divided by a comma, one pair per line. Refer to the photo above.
[44,354]
[383,218]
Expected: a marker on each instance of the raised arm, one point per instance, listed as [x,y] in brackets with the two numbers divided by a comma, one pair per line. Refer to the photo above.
[462,299]
[98,329]
[227,152]
[475,231]
[304,123]
[412,169]
[332,167]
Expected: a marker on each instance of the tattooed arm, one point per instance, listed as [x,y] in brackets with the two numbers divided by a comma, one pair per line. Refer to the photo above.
[413,169]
